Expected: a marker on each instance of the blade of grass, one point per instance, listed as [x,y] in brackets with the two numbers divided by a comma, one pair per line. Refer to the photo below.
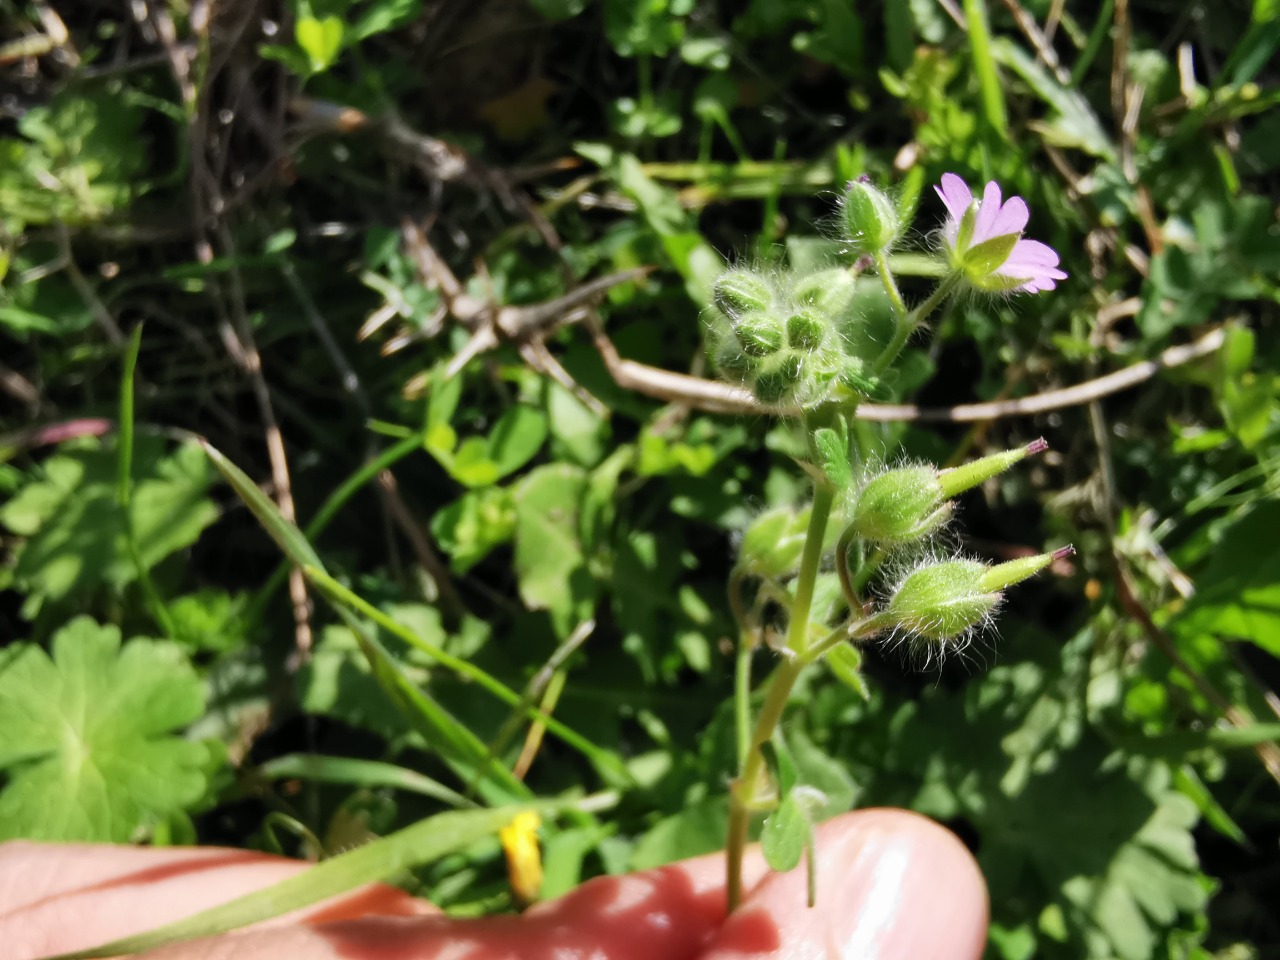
[336,592]
[330,508]
[984,67]
[359,773]
[443,733]
[124,485]
[381,859]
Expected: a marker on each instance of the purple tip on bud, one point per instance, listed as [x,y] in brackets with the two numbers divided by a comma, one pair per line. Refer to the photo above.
[1036,446]
[863,263]
[1063,552]
[865,178]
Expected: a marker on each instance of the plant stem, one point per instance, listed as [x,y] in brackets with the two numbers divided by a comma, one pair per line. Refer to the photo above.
[819,514]
[907,322]
[742,798]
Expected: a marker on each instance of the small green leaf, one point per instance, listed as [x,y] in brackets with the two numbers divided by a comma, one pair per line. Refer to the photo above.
[320,40]
[86,736]
[516,438]
[550,562]
[785,835]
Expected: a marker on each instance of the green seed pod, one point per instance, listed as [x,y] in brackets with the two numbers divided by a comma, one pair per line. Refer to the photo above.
[959,479]
[870,218]
[941,601]
[900,506]
[759,333]
[804,331]
[739,292]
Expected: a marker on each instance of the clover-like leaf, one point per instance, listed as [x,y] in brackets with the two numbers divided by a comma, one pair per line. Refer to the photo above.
[86,737]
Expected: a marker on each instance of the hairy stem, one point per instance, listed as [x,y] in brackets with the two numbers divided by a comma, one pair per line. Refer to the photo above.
[744,795]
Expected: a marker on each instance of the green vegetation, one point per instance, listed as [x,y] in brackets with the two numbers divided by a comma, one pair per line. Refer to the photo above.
[365,471]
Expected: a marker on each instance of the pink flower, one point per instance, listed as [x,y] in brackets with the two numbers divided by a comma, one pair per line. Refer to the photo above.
[984,240]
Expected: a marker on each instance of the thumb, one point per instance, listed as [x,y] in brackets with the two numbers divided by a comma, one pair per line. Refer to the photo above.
[891,886]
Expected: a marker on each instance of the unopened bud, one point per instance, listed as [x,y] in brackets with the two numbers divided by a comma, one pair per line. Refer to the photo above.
[780,383]
[741,291]
[870,218]
[759,333]
[804,331]
[900,506]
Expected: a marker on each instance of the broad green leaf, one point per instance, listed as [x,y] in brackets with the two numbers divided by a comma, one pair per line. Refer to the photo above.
[697,829]
[1238,593]
[73,529]
[87,736]
[516,438]
[550,562]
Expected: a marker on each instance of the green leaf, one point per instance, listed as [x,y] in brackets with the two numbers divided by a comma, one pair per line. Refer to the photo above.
[550,562]
[785,835]
[473,525]
[73,527]
[516,438]
[86,736]
[697,829]
[1238,593]
[320,40]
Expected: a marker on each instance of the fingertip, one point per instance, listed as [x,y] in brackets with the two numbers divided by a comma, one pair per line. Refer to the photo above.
[891,885]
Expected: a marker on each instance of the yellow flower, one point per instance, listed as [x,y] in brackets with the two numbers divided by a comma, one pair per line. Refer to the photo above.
[524,860]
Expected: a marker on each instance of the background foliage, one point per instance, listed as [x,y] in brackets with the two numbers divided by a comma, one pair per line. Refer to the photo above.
[237,178]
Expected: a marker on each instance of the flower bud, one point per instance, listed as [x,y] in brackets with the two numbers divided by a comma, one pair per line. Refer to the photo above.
[759,334]
[804,331]
[741,291]
[870,218]
[780,383]
[900,506]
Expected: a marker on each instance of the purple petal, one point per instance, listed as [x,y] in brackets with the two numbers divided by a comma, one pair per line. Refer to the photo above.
[988,213]
[1034,262]
[955,193]
[1026,254]
[1012,218]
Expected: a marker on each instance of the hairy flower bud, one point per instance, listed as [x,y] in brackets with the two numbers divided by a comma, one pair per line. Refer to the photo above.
[870,218]
[759,334]
[741,291]
[804,331]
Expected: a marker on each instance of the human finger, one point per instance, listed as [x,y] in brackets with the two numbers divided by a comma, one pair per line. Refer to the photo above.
[56,898]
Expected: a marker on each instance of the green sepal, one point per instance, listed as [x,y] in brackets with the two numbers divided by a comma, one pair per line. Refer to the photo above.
[984,259]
